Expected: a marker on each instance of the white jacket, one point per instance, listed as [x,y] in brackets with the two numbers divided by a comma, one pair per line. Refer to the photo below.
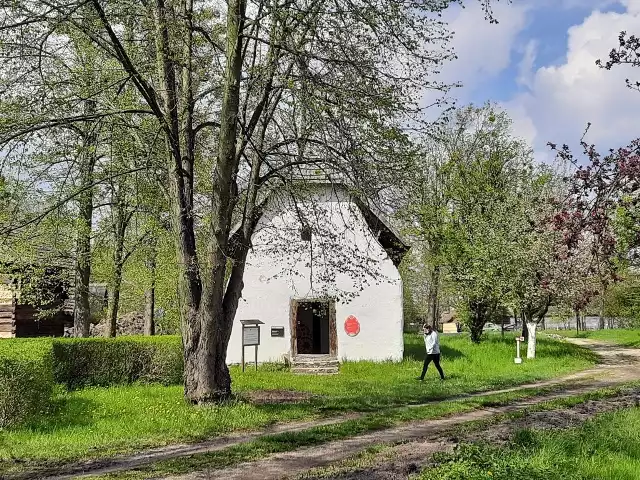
[432,343]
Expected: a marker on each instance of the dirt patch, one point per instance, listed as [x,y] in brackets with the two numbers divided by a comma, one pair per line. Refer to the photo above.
[390,464]
[264,397]
[553,419]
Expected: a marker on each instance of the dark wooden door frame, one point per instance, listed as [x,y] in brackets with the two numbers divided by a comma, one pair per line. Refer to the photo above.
[333,332]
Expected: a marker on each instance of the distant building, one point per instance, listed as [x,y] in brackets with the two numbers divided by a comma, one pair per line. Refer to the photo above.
[32,303]
[38,301]
[449,322]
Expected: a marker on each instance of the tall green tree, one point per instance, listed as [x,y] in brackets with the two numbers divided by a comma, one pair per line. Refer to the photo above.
[488,170]
[242,96]
[424,214]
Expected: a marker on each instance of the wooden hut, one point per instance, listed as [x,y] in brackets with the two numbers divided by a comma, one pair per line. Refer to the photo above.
[449,322]
[21,315]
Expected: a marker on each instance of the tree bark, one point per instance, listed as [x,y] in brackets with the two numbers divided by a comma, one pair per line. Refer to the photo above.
[150,296]
[531,342]
[208,329]
[479,310]
[118,264]
[87,160]
[601,319]
[114,290]
[433,298]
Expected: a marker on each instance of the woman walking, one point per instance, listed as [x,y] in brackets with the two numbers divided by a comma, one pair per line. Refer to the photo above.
[432,345]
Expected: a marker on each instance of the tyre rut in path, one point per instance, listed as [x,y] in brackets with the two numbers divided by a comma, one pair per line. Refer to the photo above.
[612,371]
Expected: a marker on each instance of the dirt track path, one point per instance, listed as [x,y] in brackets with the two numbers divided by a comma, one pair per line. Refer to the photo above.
[618,366]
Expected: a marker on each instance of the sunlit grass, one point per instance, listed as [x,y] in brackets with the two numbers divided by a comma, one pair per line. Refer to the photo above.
[606,448]
[623,336]
[271,444]
[102,421]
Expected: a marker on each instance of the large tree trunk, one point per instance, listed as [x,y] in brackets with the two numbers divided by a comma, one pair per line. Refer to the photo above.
[531,342]
[601,319]
[206,374]
[81,314]
[87,159]
[525,331]
[208,319]
[150,296]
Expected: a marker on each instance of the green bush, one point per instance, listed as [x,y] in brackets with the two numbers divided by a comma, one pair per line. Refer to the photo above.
[26,379]
[83,362]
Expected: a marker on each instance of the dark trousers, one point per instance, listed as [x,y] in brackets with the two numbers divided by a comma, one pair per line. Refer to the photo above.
[435,357]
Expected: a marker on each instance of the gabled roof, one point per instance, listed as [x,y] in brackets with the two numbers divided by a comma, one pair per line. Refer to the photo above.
[387,236]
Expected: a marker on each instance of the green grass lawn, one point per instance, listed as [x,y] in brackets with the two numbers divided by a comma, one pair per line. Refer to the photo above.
[606,448]
[621,336]
[99,422]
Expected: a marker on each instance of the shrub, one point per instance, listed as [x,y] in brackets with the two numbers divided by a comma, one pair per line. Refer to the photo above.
[83,362]
[26,379]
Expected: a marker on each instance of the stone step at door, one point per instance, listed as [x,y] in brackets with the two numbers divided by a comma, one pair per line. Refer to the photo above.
[315,365]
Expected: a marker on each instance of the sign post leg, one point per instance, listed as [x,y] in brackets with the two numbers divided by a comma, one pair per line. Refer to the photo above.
[256,353]
[243,358]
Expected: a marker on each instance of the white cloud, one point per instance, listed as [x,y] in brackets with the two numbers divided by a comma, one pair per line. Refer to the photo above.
[633,6]
[563,98]
[525,68]
[557,100]
[522,126]
[585,4]
[483,49]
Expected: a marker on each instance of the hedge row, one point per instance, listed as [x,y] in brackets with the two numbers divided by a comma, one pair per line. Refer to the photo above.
[26,379]
[83,362]
[30,368]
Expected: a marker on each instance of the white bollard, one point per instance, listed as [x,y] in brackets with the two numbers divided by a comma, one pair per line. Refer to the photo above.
[518,359]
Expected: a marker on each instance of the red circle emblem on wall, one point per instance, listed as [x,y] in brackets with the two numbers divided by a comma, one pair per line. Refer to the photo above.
[352,326]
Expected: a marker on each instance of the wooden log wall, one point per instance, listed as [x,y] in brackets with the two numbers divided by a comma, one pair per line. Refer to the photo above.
[7,321]
[22,321]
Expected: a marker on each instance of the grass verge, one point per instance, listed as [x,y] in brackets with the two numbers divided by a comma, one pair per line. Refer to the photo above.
[382,453]
[604,448]
[621,336]
[102,422]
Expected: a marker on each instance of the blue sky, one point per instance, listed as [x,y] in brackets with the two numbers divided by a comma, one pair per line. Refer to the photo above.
[538,63]
[548,26]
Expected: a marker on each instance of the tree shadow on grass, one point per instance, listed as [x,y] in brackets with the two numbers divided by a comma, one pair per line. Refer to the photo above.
[64,412]
[559,350]
[416,351]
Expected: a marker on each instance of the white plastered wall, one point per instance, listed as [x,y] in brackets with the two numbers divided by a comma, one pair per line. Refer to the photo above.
[348,263]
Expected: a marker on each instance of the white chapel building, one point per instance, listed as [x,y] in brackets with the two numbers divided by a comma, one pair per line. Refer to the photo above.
[322,275]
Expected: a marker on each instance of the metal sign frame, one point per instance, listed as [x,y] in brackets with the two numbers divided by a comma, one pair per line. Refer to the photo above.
[251,325]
